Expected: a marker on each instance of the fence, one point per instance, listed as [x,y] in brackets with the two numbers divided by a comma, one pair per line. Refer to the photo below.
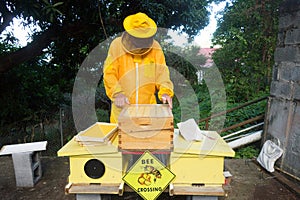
[255,119]
[56,131]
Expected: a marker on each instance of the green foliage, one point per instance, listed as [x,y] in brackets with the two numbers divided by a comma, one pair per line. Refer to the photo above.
[30,94]
[184,63]
[247,33]
[187,105]
[103,115]
[245,113]
[247,152]
[28,89]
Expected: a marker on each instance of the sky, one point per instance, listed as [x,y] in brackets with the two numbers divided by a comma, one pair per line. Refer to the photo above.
[20,32]
[203,39]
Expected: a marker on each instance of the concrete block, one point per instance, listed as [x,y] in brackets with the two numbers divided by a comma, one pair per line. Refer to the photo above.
[27,168]
[277,118]
[290,161]
[290,164]
[195,197]
[281,89]
[289,6]
[292,37]
[287,54]
[289,71]
[294,135]
[297,92]
[286,20]
[88,197]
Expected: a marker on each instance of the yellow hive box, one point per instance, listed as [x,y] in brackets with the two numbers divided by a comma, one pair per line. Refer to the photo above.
[146,127]
[94,163]
[97,134]
[106,168]
[193,169]
[199,162]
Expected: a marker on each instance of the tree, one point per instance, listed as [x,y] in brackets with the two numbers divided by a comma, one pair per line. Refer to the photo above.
[247,33]
[68,26]
[37,76]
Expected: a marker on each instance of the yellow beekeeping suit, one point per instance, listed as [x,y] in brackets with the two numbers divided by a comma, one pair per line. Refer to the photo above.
[135,66]
[136,76]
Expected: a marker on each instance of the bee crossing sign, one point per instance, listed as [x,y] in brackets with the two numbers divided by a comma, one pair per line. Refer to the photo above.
[148,176]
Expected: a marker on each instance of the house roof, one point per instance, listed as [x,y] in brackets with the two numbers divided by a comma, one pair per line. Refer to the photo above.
[207,52]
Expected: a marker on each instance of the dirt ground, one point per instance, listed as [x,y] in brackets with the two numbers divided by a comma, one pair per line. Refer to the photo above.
[252,183]
[248,182]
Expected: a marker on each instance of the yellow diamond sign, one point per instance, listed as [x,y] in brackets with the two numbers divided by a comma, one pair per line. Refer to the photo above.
[148,176]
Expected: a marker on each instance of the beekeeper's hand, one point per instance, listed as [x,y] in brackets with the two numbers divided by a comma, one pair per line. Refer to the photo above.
[121,100]
[167,99]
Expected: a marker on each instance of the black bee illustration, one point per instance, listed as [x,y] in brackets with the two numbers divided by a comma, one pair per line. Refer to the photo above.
[152,170]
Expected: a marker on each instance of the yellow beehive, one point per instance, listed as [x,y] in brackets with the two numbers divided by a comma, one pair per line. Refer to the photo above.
[146,127]
[199,162]
[94,162]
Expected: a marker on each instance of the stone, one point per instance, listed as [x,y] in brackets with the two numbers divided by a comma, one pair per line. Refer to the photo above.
[281,89]
[287,53]
[289,71]
[292,37]
[277,118]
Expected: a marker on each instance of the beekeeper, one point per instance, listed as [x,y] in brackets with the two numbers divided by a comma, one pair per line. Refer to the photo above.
[135,68]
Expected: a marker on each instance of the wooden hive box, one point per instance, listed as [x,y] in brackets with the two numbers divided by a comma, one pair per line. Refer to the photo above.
[146,127]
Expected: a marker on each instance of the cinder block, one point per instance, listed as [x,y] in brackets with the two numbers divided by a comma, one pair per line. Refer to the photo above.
[287,20]
[195,197]
[297,92]
[288,53]
[292,151]
[277,119]
[281,89]
[27,168]
[88,197]
[289,71]
[292,37]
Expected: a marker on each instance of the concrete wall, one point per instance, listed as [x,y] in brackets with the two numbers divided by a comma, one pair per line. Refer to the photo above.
[283,115]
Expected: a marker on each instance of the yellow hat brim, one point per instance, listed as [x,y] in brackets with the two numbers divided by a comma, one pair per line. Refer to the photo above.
[139,32]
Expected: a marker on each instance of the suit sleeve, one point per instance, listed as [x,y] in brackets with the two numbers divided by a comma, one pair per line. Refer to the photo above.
[110,73]
[163,81]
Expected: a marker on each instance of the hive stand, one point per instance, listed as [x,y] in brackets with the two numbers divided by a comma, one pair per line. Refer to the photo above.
[26,161]
[27,168]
